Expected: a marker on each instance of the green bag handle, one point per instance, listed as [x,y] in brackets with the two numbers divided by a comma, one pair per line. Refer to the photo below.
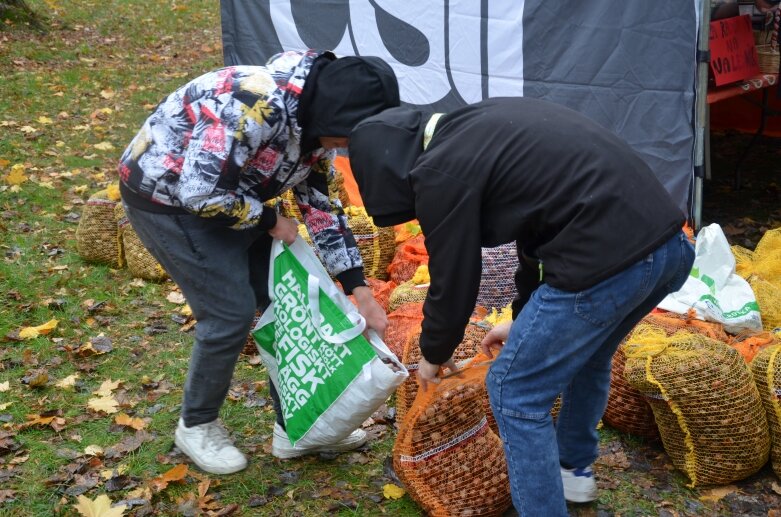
[359,322]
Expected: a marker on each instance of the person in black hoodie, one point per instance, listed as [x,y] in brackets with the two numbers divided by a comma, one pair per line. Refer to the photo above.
[600,243]
[194,181]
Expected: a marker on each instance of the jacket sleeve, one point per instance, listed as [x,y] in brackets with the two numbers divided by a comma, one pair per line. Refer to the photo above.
[327,225]
[449,214]
[221,142]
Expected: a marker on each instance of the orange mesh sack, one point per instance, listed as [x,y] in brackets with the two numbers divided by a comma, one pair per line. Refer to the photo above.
[408,390]
[409,255]
[377,245]
[749,344]
[627,410]
[96,235]
[706,405]
[139,261]
[447,456]
[402,323]
[497,285]
[766,369]
[412,291]
[381,291]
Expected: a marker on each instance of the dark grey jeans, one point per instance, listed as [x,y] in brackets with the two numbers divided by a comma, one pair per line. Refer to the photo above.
[223,274]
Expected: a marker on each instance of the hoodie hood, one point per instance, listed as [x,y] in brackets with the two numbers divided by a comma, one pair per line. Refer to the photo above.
[383,151]
[343,92]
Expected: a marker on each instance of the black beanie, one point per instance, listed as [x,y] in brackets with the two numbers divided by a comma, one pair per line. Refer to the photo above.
[345,92]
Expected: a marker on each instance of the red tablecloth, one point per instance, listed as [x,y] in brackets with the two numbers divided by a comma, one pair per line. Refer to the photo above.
[733,90]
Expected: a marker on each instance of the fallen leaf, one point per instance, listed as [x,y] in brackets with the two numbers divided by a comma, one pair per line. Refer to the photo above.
[104,146]
[716,494]
[116,471]
[44,120]
[107,94]
[107,387]
[55,422]
[175,297]
[68,382]
[5,386]
[99,507]
[7,496]
[27,129]
[175,474]
[391,491]
[776,487]
[5,405]
[34,332]
[93,450]
[106,405]
[128,421]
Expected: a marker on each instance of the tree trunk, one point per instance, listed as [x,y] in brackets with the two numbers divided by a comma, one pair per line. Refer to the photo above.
[18,12]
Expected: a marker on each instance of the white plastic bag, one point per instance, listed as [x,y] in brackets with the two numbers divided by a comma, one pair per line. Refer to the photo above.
[330,378]
[713,289]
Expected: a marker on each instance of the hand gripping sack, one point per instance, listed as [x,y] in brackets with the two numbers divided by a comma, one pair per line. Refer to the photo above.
[446,454]
[330,378]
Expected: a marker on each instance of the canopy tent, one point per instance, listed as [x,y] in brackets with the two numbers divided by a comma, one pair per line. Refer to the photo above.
[630,66]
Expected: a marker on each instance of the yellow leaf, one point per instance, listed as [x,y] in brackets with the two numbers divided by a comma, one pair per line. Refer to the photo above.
[44,120]
[107,94]
[177,473]
[175,297]
[27,129]
[391,491]
[68,382]
[4,163]
[104,146]
[140,493]
[5,386]
[5,405]
[107,474]
[34,332]
[93,450]
[106,405]
[99,507]
[16,176]
[107,387]
[128,421]
[718,493]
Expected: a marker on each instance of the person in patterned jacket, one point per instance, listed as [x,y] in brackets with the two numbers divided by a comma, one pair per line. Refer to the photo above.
[194,181]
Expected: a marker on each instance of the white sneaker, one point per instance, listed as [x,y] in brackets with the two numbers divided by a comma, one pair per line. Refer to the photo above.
[283,449]
[579,485]
[210,447]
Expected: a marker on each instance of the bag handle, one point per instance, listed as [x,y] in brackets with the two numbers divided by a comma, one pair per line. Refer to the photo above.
[359,322]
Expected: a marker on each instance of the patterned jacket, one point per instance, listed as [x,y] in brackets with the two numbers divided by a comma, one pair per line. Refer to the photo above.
[229,140]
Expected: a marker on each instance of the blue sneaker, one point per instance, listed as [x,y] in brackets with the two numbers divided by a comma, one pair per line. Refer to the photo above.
[579,485]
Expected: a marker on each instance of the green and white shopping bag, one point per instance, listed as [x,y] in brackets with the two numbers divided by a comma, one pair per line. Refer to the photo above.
[329,377]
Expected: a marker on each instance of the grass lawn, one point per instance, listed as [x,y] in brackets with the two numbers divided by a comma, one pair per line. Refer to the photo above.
[71,98]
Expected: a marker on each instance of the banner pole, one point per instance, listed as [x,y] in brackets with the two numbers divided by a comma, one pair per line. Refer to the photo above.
[701,125]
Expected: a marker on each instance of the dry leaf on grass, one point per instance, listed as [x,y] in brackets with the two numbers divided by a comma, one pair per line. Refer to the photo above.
[99,507]
[175,297]
[68,382]
[173,475]
[55,422]
[40,330]
[107,387]
[391,491]
[129,421]
[106,405]
[716,494]
[5,386]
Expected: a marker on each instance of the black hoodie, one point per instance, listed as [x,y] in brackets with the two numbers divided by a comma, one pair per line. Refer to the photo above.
[570,192]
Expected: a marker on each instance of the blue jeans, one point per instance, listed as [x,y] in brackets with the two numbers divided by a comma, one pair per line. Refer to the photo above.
[563,343]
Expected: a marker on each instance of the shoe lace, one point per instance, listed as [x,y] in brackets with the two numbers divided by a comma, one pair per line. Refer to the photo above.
[215,436]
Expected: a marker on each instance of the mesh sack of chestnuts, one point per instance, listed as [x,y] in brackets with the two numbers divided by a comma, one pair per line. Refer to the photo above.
[381,290]
[413,290]
[139,261]
[627,409]
[446,455]
[497,285]
[402,323]
[409,255]
[466,350]
[377,245]
[96,235]
[766,368]
[705,402]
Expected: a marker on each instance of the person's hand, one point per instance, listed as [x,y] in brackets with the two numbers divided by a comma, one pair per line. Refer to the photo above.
[427,372]
[375,316]
[285,230]
[495,339]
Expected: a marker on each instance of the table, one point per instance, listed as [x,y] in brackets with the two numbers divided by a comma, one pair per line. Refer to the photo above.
[716,94]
